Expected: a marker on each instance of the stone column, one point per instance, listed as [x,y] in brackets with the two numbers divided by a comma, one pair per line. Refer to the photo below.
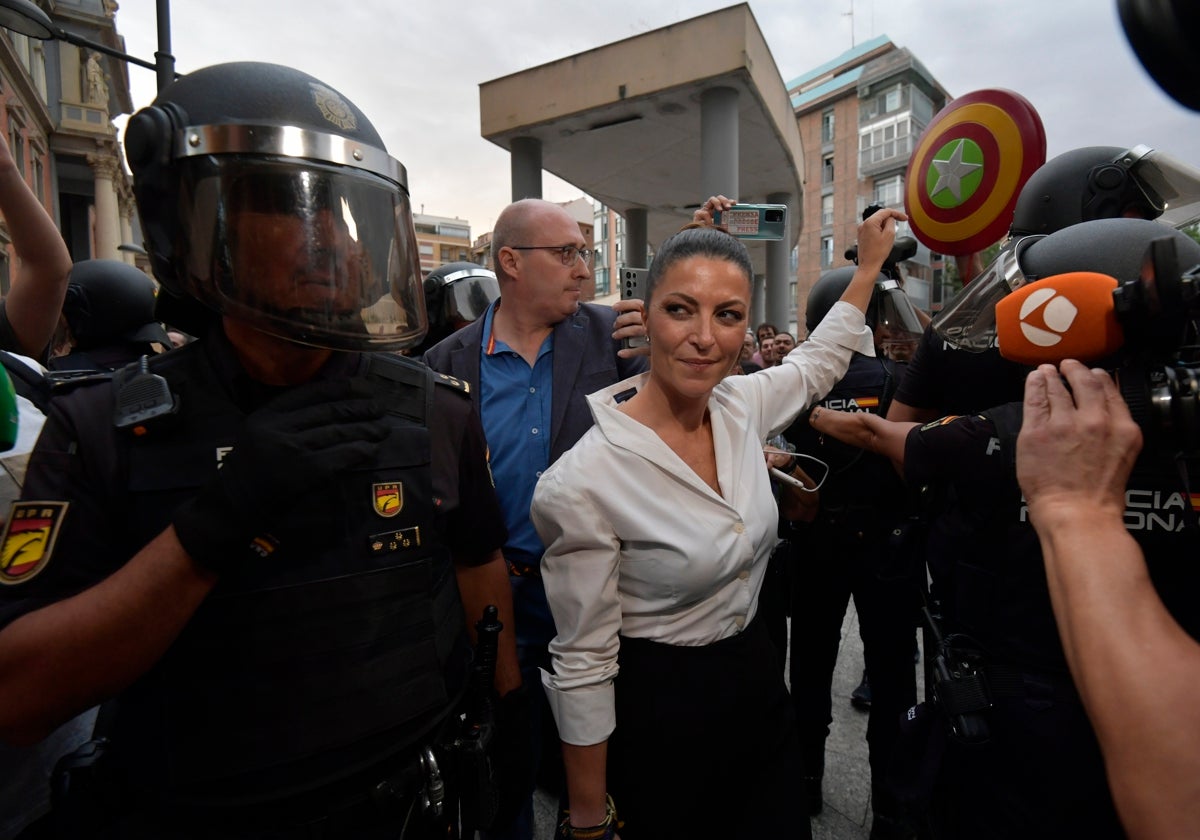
[108,217]
[636,237]
[526,168]
[719,142]
[780,310]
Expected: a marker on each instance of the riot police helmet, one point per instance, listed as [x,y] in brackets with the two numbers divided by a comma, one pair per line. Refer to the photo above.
[1106,182]
[890,314]
[458,293]
[268,196]
[110,302]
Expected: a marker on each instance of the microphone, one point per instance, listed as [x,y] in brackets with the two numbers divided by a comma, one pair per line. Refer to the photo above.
[1065,316]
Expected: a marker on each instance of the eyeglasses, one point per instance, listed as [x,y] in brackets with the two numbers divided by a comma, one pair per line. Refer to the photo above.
[567,253]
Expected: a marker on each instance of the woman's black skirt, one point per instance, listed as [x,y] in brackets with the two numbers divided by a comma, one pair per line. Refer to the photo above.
[705,744]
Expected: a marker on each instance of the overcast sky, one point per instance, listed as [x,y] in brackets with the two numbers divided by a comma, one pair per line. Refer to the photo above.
[415,66]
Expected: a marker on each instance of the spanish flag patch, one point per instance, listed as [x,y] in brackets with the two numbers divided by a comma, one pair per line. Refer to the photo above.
[28,540]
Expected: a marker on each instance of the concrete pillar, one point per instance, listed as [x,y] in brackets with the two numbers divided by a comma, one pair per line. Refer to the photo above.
[108,216]
[127,237]
[526,168]
[636,237]
[719,142]
[779,308]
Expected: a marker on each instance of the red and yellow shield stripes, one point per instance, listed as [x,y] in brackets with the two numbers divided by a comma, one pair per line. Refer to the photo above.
[28,540]
[968,169]
[389,499]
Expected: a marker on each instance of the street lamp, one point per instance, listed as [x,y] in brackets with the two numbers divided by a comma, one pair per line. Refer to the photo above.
[25,17]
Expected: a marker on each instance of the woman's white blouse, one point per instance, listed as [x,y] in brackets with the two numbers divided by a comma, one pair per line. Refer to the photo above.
[638,544]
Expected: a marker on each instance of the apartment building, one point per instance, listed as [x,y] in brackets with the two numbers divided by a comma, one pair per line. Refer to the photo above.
[860,117]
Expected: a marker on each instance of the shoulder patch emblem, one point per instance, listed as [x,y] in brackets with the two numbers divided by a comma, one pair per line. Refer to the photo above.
[389,499]
[452,382]
[333,108]
[27,543]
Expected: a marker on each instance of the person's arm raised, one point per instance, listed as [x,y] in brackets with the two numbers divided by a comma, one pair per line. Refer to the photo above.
[876,234]
[35,300]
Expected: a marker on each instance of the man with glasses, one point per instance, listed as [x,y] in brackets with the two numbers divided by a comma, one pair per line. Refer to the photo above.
[530,361]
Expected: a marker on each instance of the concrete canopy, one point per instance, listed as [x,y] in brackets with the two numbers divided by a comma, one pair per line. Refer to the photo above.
[622,121]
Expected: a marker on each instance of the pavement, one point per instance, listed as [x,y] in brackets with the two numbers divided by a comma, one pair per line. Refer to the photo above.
[847,786]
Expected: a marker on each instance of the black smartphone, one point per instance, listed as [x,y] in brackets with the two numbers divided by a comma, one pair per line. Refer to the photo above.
[633,286]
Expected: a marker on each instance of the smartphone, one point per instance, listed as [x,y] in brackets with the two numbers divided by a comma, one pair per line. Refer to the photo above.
[633,286]
[754,221]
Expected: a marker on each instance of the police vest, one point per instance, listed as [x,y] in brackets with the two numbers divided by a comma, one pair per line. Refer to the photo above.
[312,665]
[989,572]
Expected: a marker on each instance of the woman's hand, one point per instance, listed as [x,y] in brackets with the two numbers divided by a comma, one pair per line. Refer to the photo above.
[876,235]
[704,214]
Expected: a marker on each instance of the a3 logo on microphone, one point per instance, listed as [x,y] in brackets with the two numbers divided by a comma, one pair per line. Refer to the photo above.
[1056,316]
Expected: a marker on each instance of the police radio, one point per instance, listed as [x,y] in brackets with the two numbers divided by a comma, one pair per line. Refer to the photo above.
[141,396]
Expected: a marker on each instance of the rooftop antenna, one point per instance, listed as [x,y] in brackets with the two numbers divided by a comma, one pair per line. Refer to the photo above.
[850,14]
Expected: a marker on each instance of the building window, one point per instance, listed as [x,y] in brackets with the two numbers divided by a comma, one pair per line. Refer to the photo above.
[826,251]
[827,169]
[16,143]
[602,281]
[885,141]
[39,187]
[892,100]
[826,210]
[426,249]
[890,191]
[827,126]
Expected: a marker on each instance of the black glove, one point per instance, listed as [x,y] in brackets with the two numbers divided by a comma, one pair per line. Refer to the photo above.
[511,754]
[288,450]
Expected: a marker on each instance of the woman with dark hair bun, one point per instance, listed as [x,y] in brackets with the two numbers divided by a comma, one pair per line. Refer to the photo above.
[658,526]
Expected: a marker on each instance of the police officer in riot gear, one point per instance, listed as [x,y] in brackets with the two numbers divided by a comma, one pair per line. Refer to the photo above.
[1095,182]
[108,318]
[1040,772]
[271,534]
[860,500]
[456,294]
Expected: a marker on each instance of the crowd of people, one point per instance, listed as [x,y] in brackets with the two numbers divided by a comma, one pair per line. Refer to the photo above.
[292,568]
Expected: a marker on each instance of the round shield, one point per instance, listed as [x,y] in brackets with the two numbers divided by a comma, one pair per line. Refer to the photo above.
[969,167]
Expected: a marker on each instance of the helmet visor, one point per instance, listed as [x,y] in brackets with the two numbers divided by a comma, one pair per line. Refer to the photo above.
[469,296]
[968,322]
[1170,186]
[897,326]
[320,254]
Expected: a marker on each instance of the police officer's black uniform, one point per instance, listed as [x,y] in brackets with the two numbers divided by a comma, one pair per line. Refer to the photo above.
[1041,774]
[947,380]
[847,551]
[318,671]
[299,698]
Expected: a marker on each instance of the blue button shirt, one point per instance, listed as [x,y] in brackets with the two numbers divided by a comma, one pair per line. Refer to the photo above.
[514,405]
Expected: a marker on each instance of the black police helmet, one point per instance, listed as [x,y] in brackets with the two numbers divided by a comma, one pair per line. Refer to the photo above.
[444,307]
[266,195]
[110,302]
[456,294]
[827,291]
[1078,186]
[1116,247]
